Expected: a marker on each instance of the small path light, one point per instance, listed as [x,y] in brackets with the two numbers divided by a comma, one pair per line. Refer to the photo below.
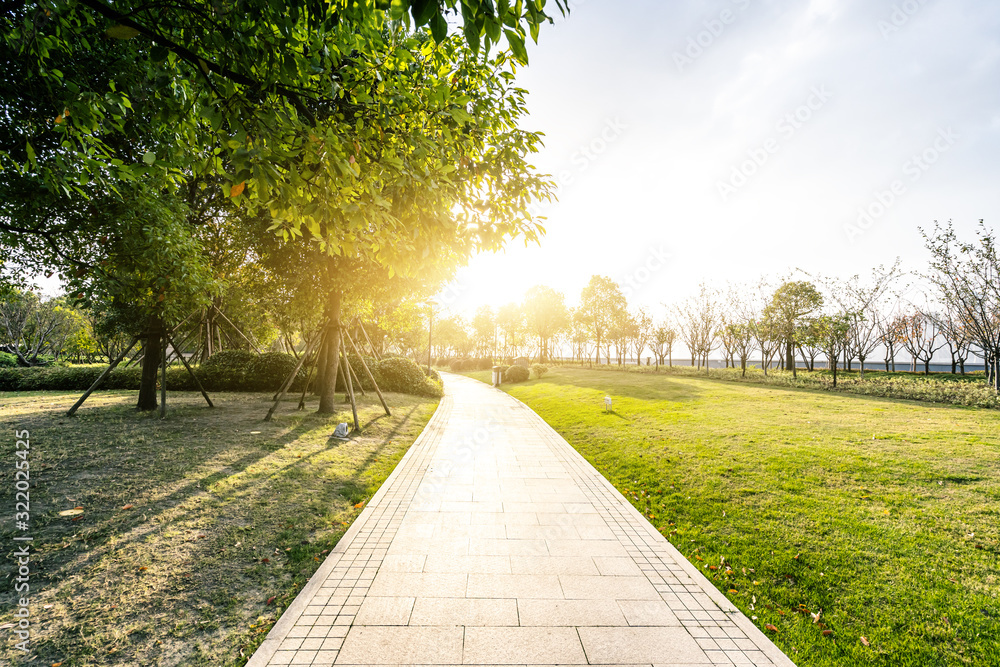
[496,376]
[607,404]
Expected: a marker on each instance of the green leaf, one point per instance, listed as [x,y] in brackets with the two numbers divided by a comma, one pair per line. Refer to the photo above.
[517,46]
[439,27]
[121,32]
[31,154]
[158,53]
[471,35]
[492,29]
[423,11]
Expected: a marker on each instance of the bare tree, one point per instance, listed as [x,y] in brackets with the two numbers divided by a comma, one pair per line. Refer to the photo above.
[862,301]
[922,338]
[642,333]
[698,321]
[663,344]
[890,334]
[956,337]
[968,277]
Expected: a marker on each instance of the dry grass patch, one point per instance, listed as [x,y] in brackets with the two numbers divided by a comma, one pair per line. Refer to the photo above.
[190,525]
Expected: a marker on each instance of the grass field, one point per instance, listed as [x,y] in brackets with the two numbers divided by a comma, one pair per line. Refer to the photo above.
[880,515]
[196,531]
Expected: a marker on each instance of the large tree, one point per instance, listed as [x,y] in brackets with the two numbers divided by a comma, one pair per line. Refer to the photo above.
[601,304]
[792,301]
[374,145]
[546,316]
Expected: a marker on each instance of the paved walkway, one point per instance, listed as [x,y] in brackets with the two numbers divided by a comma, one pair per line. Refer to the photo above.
[495,543]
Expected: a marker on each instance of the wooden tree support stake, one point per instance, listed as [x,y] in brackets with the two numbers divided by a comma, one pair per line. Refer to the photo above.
[288,381]
[236,329]
[312,366]
[350,387]
[368,371]
[102,377]
[163,380]
[354,375]
[378,357]
[191,373]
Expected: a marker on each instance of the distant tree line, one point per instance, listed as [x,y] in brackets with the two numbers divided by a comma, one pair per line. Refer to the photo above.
[788,324]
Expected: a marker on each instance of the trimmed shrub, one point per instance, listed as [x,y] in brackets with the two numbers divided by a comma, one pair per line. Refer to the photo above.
[516,374]
[267,371]
[8,360]
[404,376]
[539,371]
[226,370]
[482,364]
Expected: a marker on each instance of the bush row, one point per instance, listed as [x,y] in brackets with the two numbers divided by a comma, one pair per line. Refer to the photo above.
[474,364]
[225,371]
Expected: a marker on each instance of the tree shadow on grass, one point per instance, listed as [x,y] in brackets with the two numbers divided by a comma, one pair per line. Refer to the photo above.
[218,517]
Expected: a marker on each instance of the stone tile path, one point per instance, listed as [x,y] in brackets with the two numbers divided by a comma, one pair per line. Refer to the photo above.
[495,543]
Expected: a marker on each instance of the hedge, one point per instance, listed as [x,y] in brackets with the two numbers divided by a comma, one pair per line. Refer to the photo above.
[263,372]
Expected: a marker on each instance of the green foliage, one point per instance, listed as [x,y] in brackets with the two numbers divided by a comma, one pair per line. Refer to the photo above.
[404,376]
[539,371]
[267,371]
[474,364]
[7,360]
[516,374]
[226,370]
[233,361]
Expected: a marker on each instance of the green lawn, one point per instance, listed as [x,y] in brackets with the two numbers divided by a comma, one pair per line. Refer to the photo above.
[196,531]
[883,515]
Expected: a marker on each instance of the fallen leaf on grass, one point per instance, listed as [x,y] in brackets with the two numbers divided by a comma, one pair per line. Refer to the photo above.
[73,512]
[770,627]
[272,599]
[128,507]
[827,633]
[8,626]
[864,640]
[359,505]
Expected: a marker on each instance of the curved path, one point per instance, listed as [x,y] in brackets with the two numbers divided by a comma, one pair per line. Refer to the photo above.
[495,543]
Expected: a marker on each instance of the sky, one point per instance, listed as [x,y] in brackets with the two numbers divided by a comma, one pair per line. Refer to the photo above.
[724,140]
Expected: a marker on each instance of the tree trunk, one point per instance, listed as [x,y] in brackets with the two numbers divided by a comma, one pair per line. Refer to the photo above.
[327,396]
[322,361]
[927,366]
[150,365]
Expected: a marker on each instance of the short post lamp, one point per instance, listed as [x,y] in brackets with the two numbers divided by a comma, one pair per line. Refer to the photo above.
[497,374]
[607,404]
